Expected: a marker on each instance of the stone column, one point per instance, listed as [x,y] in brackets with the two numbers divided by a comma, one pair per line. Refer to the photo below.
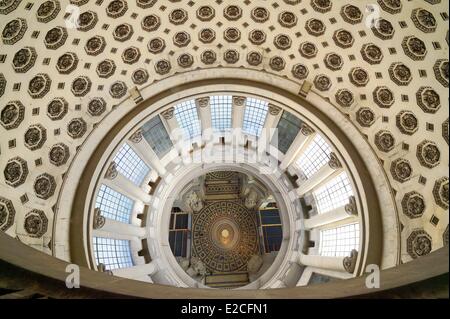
[273,116]
[304,137]
[123,185]
[338,214]
[204,111]
[238,116]
[172,124]
[115,229]
[137,271]
[323,175]
[333,263]
[146,153]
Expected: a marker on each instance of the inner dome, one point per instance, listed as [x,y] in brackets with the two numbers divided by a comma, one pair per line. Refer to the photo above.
[225,229]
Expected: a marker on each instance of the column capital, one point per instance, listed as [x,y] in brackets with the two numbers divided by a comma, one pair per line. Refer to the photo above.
[239,100]
[111,172]
[350,261]
[334,161]
[351,208]
[99,220]
[168,114]
[202,102]
[274,110]
[306,129]
[136,137]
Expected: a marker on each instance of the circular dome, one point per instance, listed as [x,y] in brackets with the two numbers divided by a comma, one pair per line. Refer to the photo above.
[341,114]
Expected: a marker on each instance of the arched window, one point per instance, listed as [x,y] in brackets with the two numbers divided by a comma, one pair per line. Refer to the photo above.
[221,112]
[114,205]
[113,253]
[254,116]
[339,241]
[316,155]
[157,137]
[130,165]
[187,117]
[333,194]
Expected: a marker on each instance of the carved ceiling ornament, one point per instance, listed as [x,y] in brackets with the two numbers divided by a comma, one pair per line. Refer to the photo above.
[12,115]
[55,38]
[67,63]
[44,186]
[344,97]
[81,86]
[206,13]
[300,71]
[87,21]
[407,122]
[277,63]
[391,6]
[400,74]
[322,6]
[365,117]
[96,106]
[351,14]
[413,205]
[151,23]
[208,57]
[414,48]
[441,192]
[39,86]
[254,58]
[428,100]
[383,29]
[76,128]
[35,136]
[441,71]
[14,31]
[35,223]
[287,19]
[385,141]
[15,172]
[95,45]
[140,76]
[178,16]
[7,214]
[428,154]
[401,170]
[8,6]
[59,154]
[419,243]
[424,20]
[118,89]
[24,59]
[48,10]
[383,97]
